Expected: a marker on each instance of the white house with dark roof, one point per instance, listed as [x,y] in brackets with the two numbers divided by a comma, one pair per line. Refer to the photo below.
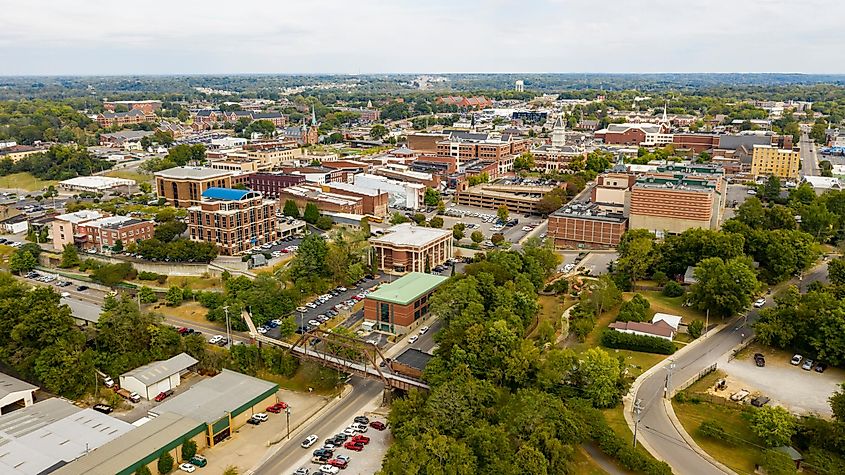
[157,377]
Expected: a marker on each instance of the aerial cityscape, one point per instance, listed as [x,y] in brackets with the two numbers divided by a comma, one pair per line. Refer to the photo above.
[387,238]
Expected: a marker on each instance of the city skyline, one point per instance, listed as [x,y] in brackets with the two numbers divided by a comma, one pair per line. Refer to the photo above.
[329,36]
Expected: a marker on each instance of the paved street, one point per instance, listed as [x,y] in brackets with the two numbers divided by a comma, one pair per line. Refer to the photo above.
[809,160]
[656,427]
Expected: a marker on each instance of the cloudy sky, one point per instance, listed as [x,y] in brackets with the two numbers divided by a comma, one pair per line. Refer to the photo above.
[365,36]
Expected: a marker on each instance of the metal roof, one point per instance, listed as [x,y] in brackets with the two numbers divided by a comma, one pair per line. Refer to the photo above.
[228,194]
[9,385]
[160,370]
[414,358]
[407,288]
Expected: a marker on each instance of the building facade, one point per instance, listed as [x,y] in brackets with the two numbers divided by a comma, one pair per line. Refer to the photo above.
[183,187]
[105,233]
[672,203]
[395,306]
[234,220]
[409,248]
[585,226]
[782,163]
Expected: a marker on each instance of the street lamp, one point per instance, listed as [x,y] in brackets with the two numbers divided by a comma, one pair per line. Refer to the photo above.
[228,331]
[287,416]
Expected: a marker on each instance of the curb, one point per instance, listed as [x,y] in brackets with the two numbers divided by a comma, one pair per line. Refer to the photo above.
[347,390]
[670,411]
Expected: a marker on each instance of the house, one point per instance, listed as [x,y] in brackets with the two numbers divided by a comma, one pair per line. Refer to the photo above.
[661,329]
[13,391]
[159,376]
[674,321]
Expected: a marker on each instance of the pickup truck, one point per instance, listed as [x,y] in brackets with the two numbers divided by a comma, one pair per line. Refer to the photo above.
[740,395]
[134,397]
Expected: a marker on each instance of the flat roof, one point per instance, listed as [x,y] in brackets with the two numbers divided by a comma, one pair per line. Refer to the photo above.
[407,288]
[408,234]
[9,385]
[133,446]
[414,358]
[177,173]
[355,189]
[79,216]
[159,370]
[52,433]
[211,399]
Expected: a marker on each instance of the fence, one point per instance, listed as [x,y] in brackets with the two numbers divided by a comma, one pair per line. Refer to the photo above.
[740,347]
[698,377]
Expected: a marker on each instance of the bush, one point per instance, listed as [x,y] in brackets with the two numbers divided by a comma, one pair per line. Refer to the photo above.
[612,445]
[143,470]
[113,274]
[634,310]
[695,328]
[165,463]
[189,449]
[673,289]
[626,341]
[775,462]
[160,278]
[324,222]
[660,278]
[714,431]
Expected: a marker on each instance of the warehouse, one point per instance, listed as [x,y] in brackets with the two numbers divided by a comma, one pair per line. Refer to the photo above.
[14,392]
[95,183]
[157,377]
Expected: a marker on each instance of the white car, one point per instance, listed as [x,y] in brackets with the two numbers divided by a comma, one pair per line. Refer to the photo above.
[360,427]
[329,469]
[301,309]
[344,458]
[309,441]
[215,339]
[349,431]
[423,330]
[311,305]
[260,416]
[65,295]
[315,323]
[413,339]
[752,192]
[759,303]
[186,467]
[276,321]
[262,330]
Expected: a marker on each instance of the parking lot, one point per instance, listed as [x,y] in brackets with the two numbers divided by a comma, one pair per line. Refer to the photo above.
[798,390]
[595,262]
[484,220]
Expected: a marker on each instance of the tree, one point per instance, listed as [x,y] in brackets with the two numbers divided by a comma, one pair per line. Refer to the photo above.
[378,131]
[672,289]
[695,328]
[118,246]
[165,463]
[398,218]
[725,287]
[837,403]
[436,222]
[503,213]
[312,213]
[146,295]
[525,161]
[476,237]
[775,462]
[22,261]
[634,310]
[549,203]
[324,222]
[431,197]
[174,296]
[70,257]
[771,190]
[598,161]
[497,238]
[291,209]
[774,425]
[458,231]
[189,449]
[143,470]
[599,377]
[419,218]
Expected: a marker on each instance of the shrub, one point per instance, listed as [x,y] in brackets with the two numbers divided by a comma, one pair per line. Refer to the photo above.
[714,431]
[634,310]
[626,341]
[673,289]
[695,328]
[189,449]
[660,278]
[165,463]
[775,462]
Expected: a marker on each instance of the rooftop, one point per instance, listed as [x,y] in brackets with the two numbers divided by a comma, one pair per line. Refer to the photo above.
[9,385]
[414,358]
[211,399]
[158,370]
[589,211]
[354,189]
[196,173]
[408,234]
[407,288]
[79,216]
[228,194]
[661,328]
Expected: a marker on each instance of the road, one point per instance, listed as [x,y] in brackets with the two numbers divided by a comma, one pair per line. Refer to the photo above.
[809,160]
[656,428]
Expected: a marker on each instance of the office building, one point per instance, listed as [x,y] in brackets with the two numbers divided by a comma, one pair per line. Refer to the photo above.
[325,200]
[400,194]
[272,184]
[409,248]
[522,199]
[586,226]
[234,220]
[782,163]
[395,306]
[671,203]
[183,187]
[105,233]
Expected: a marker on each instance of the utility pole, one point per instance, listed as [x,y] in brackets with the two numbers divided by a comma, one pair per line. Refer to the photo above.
[706,322]
[287,414]
[638,410]
[669,370]
[228,332]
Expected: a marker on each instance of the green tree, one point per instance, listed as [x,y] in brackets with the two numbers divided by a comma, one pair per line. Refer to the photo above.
[436,222]
[189,449]
[476,237]
[378,131]
[502,213]
[725,287]
[174,296]
[600,377]
[525,161]
[431,197]
[165,463]
[398,218]
[775,462]
[419,218]
[324,222]
[672,289]
[291,209]
[771,190]
[70,257]
[143,470]
[837,403]
[695,328]
[458,231]
[21,262]
[312,213]
[774,425]
[634,310]
[118,246]
[497,238]
[146,295]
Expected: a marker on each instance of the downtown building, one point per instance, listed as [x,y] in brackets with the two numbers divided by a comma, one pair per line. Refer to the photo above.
[234,220]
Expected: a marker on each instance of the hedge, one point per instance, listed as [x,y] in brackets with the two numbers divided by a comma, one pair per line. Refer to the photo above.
[630,458]
[627,341]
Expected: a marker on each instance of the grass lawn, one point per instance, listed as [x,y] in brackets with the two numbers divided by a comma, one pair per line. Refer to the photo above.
[615,418]
[25,181]
[5,253]
[739,456]
[551,308]
[672,305]
[193,282]
[190,311]
[584,464]
[131,175]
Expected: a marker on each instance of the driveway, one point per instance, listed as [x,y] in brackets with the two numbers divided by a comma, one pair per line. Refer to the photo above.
[800,391]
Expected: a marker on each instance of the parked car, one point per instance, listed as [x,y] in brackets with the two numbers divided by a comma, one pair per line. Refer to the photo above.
[260,416]
[808,365]
[820,367]
[253,421]
[301,309]
[186,467]
[277,408]
[740,395]
[796,360]
[378,425]
[759,401]
[104,408]
[198,460]
[349,431]
[759,303]
[329,469]
[351,446]
[302,471]
[413,339]
[108,382]
[759,360]
[215,339]
[309,441]
[361,438]
[323,452]
[423,329]
[338,463]
[82,288]
[362,419]
[163,395]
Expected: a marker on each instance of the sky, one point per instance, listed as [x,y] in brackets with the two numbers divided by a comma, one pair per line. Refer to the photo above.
[114,37]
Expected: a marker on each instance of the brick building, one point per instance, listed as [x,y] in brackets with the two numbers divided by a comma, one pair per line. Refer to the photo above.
[395,306]
[409,248]
[586,226]
[234,220]
[520,199]
[93,230]
[671,203]
[134,116]
[696,142]
[324,200]
[272,184]
[183,186]
[147,107]
[635,134]
[373,202]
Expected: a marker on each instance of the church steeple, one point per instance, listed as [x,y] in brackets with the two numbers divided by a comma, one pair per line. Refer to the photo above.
[313,117]
[559,133]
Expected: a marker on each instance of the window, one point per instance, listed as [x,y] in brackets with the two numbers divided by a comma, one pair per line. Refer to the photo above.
[384,312]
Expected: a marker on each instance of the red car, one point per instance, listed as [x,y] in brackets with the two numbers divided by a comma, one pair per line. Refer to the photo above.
[361,438]
[378,425]
[277,408]
[163,395]
[353,446]
[338,463]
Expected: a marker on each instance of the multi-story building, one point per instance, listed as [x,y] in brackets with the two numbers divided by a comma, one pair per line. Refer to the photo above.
[647,135]
[671,203]
[394,307]
[134,116]
[63,227]
[474,102]
[409,248]
[520,199]
[586,226]
[400,194]
[183,187]
[782,163]
[234,220]
[557,155]
[324,200]
[93,230]
[696,142]
[373,202]
[272,184]
[147,107]
[469,146]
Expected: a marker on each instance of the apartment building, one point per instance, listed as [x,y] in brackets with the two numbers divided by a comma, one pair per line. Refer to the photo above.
[783,163]
[234,220]
[134,116]
[586,226]
[147,107]
[183,187]
[94,230]
[407,247]
[671,203]
[520,199]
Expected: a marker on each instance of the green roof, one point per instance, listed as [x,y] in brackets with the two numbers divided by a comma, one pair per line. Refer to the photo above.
[407,288]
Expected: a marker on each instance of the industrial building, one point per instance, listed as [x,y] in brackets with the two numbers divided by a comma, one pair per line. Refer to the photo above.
[14,393]
[157,377]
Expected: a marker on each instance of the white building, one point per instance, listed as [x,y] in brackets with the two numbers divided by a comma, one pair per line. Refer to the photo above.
[406,195]
[821,184]
[13,391]
[228,142]
[94,183]
[159,376]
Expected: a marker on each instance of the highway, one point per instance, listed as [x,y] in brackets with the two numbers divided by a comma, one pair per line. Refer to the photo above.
[809,159]
[656,428]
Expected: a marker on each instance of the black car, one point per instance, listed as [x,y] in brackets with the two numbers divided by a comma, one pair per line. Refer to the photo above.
[341,436]
[104,408]
[82,288]
[362,420]
[323,452]
[252,421]
[759,360]
[820,367]
[759,401]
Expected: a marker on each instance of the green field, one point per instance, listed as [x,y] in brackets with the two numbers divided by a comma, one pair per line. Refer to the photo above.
[131,175]
[24,181]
